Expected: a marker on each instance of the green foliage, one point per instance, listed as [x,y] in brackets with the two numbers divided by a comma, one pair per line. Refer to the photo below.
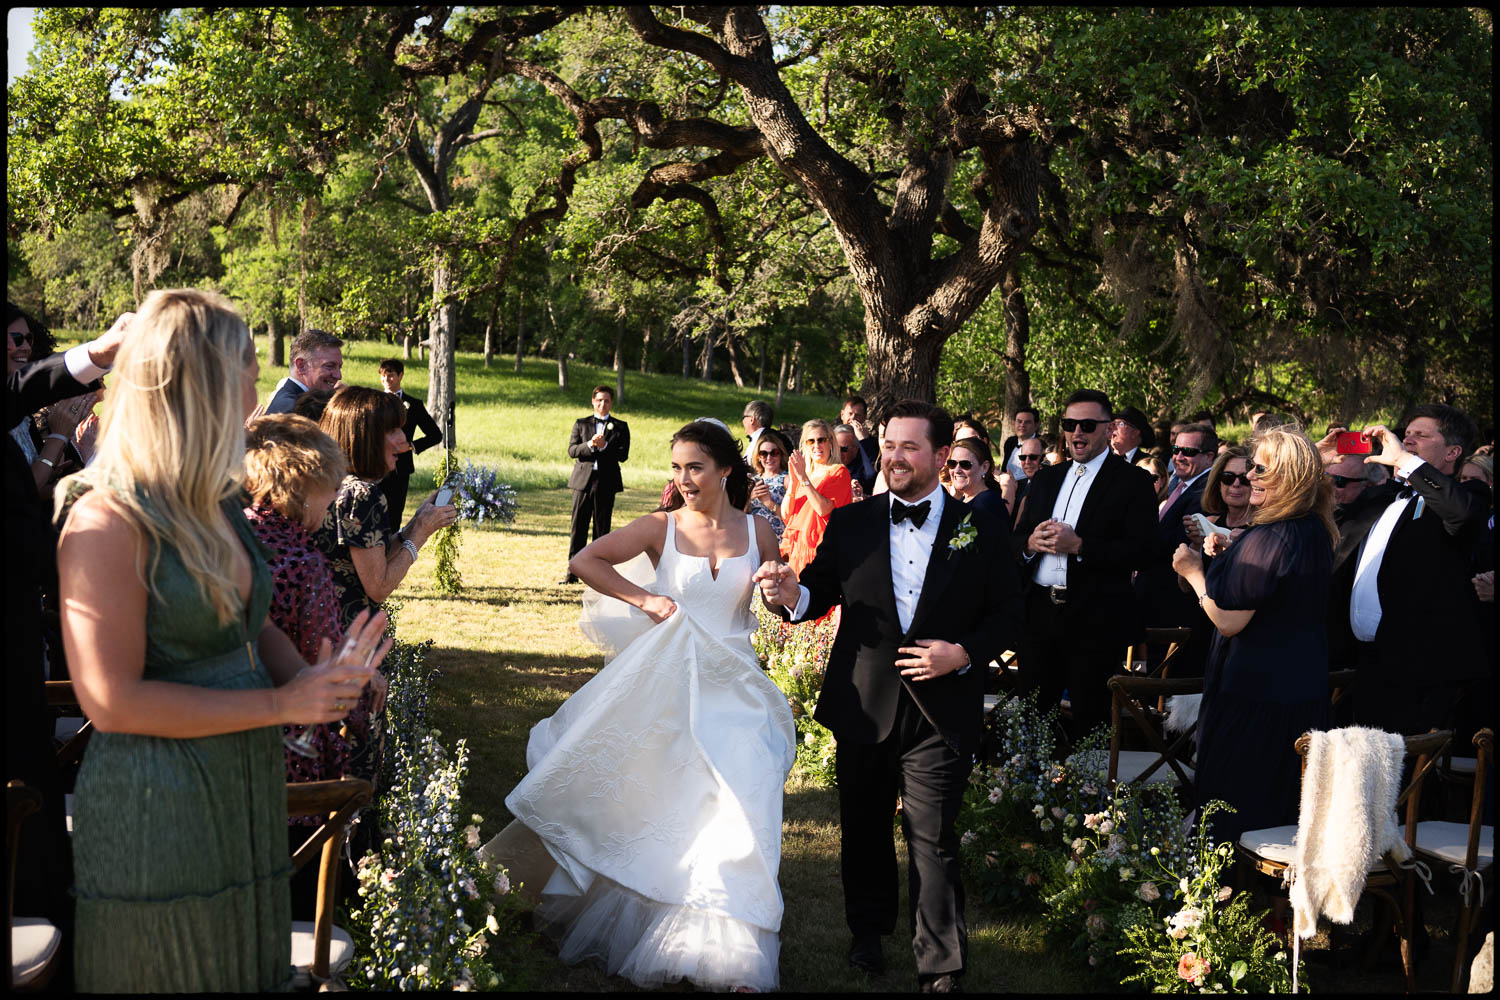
[795,657]
[445,541]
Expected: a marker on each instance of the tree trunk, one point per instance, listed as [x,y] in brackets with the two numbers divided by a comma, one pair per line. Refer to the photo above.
[760,375]
[562,349]
[302,271]
[687,355]
[734,366]
[489,331]
[406,345]
[441,387]
[278,342]
[706,359]
[520,329]
[1017,336]
[646,350]
[620,361]
[786,354]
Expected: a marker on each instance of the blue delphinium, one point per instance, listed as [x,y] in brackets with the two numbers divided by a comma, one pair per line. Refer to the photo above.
[479,495]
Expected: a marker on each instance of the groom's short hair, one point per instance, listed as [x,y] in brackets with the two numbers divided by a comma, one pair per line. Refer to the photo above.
[939,423]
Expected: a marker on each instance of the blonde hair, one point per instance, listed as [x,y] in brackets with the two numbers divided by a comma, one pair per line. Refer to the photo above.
[1294,471]
[172,436]
[286,458]
[818,424]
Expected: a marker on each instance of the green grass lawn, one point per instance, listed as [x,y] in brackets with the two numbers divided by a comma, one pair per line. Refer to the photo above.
[511,653]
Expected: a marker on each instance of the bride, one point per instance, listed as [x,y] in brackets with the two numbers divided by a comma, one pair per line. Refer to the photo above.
[657,787]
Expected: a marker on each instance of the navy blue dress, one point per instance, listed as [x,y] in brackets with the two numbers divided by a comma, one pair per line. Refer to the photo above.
[1267,685]
[992,501]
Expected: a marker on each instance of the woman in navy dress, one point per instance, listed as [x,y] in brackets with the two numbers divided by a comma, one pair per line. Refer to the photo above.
[1266,681]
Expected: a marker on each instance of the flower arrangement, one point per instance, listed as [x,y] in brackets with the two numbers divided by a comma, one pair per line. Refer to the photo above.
[963,535]
[795,657]
[1211,942]
[479,495]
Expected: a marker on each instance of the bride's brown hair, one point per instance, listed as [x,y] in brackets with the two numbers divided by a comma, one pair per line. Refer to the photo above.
[719,446]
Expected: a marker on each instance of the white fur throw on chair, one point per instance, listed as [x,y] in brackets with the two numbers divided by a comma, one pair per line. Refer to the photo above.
[1182,713]
[1346,822]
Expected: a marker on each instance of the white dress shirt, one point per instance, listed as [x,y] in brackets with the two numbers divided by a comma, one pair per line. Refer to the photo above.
[598,429]
[1052,568]
[1364,601]
[1013,464]
[750,448]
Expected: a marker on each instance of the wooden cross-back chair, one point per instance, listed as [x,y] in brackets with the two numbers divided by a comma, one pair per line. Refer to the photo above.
[319,949]
[1161,761]
[1270,851]
[1137,655]
[34,944]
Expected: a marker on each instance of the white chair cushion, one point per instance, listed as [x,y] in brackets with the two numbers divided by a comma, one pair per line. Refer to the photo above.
[340,951]
[33,944]
[1133,762]
[68,811]
[1279,844]
[67,728]
[1450,842]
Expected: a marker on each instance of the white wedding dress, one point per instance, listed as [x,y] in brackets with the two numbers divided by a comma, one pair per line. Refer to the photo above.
[657,788]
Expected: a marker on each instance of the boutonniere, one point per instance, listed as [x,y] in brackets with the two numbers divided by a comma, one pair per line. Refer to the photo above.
[963,535]
[610,426]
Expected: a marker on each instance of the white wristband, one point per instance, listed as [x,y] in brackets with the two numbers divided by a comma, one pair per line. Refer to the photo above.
[410,547]
[61,437]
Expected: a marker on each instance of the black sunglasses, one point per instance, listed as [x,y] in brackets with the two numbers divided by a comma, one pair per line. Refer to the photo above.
[1230,479]
[1087,426]
[960,463]
[1342,481]
[771,453]
[18,338]
[1028,458]
[1183,449]
[1259,470]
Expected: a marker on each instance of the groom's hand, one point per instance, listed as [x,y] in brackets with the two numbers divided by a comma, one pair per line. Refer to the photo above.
[931,658]
[778,584]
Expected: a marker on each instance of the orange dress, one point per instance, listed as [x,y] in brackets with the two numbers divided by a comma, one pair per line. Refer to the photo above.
[804,526]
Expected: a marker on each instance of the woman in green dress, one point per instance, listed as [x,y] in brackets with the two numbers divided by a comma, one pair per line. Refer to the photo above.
[180,811]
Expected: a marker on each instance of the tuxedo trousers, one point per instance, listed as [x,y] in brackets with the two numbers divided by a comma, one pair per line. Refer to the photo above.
[1055,655]
[930,776]
[590,504]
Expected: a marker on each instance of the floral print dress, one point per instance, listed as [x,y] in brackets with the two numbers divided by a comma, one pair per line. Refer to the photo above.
[357,518]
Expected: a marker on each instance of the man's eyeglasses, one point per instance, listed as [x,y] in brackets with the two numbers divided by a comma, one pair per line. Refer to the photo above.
[1087,426]
[1231,479]
[1183,449]
[960,463]
[1028,458]
[1342,481]
[18,338]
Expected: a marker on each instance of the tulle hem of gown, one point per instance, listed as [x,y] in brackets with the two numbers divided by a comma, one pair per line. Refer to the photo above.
[652,943]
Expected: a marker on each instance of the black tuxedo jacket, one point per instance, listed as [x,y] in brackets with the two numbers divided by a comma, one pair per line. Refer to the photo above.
[1163,602]
[282,400]
[417,419]
[616,450]
[969,596]
[1428,633]
[1117,527]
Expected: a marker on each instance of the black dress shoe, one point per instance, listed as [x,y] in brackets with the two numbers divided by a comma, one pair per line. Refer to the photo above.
[864,954]
[946,983]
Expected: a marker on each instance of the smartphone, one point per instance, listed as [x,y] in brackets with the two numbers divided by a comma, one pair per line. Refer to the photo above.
[1352,443]
[443,496]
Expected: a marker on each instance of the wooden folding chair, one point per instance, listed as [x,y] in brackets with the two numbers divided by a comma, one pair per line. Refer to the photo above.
[321,951]
[1272,850]
[1137,656]
[34,945]
[1161,762]
[1468,849]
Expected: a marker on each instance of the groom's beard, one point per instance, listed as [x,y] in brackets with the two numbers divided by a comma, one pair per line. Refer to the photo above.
[921,482]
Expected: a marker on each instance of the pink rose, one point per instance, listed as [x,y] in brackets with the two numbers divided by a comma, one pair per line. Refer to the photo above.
[1032,878]
[1192,968]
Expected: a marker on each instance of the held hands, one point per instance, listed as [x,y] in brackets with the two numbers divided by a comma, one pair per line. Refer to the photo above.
[1054,537]
[597,442]
[1191,529]
[931,658]
[658,608]
[325,691]
[778,584]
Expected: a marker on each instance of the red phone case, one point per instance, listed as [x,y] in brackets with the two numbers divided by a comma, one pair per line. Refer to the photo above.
[1352,443]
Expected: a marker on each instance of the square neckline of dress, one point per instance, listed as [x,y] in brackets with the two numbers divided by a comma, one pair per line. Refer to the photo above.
[712,571]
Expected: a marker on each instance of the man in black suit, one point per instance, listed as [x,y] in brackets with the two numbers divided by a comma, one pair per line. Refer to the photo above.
[317,363]
[1089,523]
[929,599]
[1163,603]
[392,370]
[1029,455]
[1027,421]
[1133,432]
[1402,603]
[856,414]
[599,444]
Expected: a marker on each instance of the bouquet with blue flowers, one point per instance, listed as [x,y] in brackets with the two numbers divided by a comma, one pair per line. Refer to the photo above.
[479,495]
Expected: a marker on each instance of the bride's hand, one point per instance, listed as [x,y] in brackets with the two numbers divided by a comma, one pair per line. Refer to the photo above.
[778,584]
[659,608]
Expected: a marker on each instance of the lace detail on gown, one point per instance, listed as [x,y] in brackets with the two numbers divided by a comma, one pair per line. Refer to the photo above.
[657,788]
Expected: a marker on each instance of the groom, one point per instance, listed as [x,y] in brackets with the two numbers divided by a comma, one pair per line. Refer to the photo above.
[929,598]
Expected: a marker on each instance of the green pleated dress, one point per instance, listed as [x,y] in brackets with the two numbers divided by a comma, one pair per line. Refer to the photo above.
[179,846]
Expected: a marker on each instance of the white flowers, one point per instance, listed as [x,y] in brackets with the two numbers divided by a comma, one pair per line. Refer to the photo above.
[1148,892]
[502,882]
[1186,919]
[1058,812]
[491,924]
[995,795]
[1039,810]
[1224,894]
[969,836]
[471,836]
[1046,825]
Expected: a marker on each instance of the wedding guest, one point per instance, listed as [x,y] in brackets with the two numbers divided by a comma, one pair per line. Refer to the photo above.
[599,444]
[968,427]
[855,413]
[368,560]
[48,444]
[1132,433]
[816,484]
[1480,467]
[1266,681]
[317,363]
[1163,603]
[1027,422]
[853,457]
[1158,470]
[180,807]
[1028,456]
[312,403]
[394,486]
[969,467]
[757,417]
[768,487]
[1226,495]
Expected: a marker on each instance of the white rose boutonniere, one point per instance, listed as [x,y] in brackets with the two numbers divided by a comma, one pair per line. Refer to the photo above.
[610,426]
[963,535]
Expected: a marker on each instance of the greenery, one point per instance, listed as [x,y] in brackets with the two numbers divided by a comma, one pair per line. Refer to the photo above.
[795,657]
[445,541]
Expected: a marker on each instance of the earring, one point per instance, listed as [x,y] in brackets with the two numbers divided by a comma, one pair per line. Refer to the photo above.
[722,481]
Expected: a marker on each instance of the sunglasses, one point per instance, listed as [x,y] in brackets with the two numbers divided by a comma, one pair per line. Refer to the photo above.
[1342,481]
[960,463]
[814,440]
[18,338]
[1259,470]
[1087,426]
[771,453]
[1028,458]
[1183,449]
[1230,479]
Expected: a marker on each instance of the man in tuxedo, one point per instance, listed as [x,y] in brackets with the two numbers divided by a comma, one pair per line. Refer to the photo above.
[1131,433]
[1028,456]
[757,417]
[392,370]
[1089,524]
[317,363]
[599,444]
[1027,421]
[861,468]
[1403,615]
[1163,603]
[928,598]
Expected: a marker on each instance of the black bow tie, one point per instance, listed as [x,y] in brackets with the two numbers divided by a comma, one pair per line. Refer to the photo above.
[1406,493]
[916,511]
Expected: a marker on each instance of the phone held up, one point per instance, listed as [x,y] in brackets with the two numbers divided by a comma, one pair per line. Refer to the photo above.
[443,496]
[1352,443]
